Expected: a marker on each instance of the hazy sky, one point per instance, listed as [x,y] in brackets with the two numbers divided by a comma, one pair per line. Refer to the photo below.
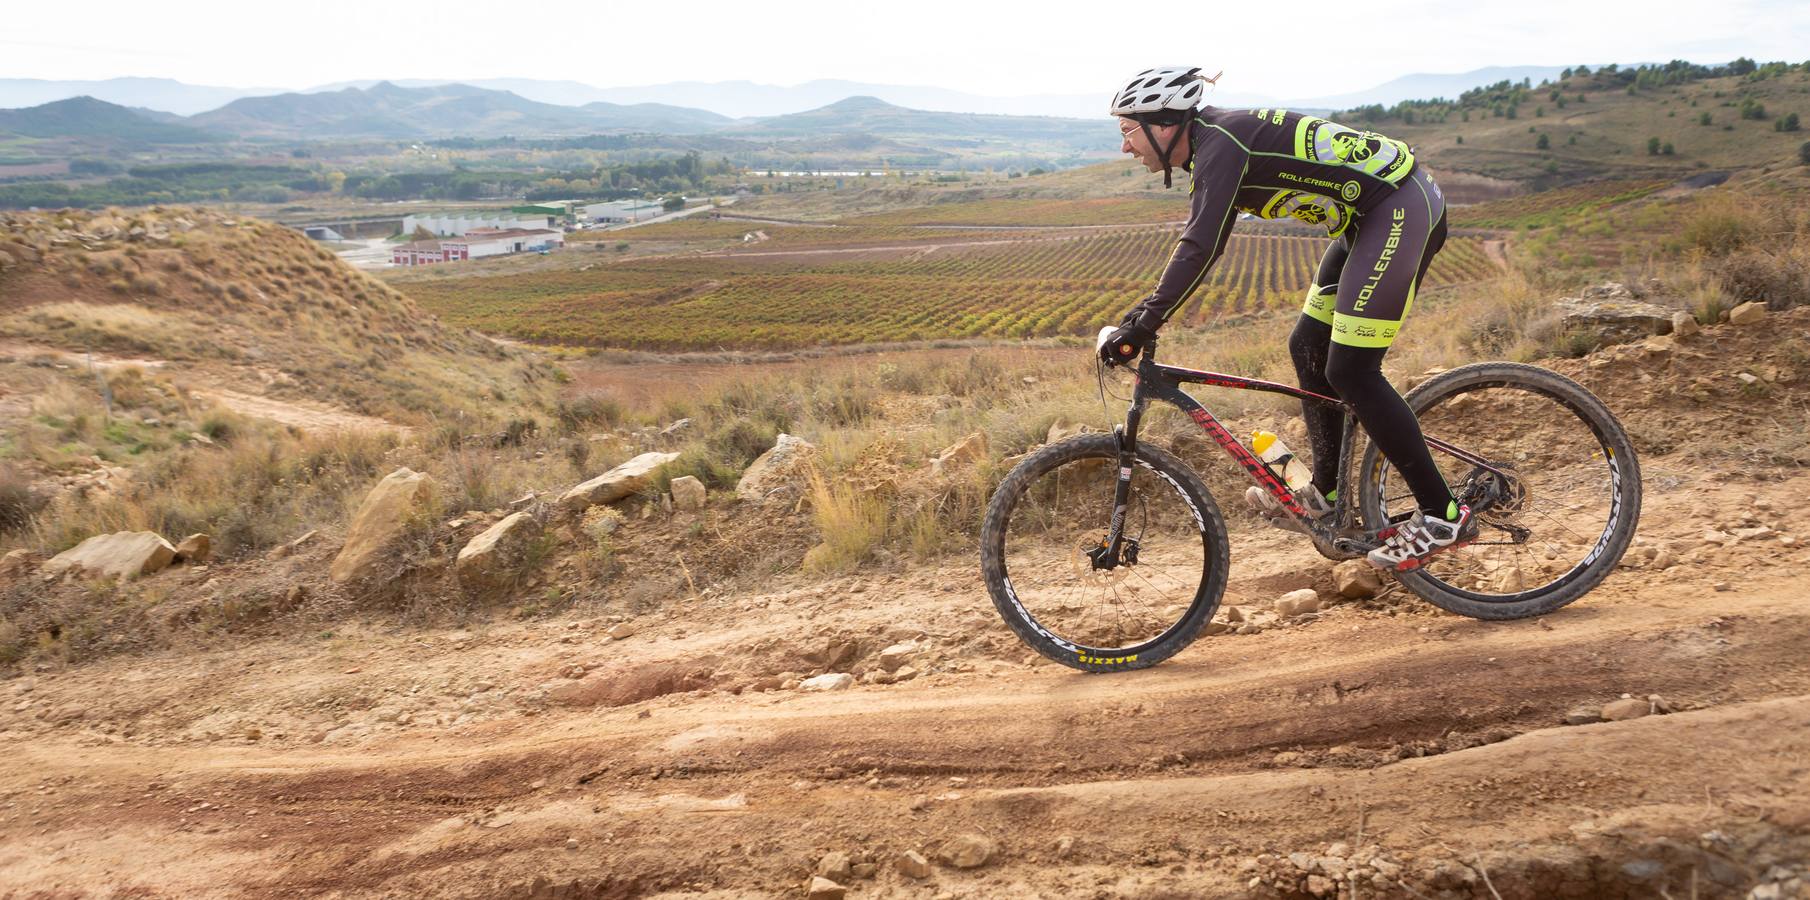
[993,49]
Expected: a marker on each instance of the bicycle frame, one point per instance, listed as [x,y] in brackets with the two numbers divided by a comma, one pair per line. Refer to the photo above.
[1336,536]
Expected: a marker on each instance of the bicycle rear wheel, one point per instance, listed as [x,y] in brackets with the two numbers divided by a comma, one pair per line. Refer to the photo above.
[1556,506]
[1055,508]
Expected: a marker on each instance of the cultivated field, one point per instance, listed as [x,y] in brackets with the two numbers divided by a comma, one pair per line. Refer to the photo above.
[983,285]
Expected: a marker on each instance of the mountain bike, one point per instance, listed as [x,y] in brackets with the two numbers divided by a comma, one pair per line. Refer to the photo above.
[1108,554]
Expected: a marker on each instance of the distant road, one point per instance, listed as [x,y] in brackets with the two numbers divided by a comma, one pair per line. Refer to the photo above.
[679,214]
[372,253]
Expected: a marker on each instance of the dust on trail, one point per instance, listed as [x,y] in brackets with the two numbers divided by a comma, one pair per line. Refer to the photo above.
[210,386]
[462,763]
[1422,750]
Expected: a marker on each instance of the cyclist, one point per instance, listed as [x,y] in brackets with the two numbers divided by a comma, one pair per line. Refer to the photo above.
[1387,220]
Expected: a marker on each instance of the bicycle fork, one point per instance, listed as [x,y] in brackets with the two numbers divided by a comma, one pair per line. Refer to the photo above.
[1111,553]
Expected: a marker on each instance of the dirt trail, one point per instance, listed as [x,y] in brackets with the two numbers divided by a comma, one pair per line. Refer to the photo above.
[1372,749]
[378,762]
[209,385]
[1497,252]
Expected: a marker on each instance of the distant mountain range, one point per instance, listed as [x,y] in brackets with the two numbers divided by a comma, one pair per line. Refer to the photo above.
[161,94]
[853,132]
[743,99]
[387,110]
[842,129]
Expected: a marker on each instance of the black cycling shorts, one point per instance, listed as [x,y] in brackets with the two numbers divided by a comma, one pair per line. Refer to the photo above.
[1366,281]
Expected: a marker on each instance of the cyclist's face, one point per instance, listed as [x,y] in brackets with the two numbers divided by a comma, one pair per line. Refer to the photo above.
[1133,141]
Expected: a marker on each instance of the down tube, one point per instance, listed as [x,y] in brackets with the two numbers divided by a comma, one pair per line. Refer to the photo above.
[1238,451]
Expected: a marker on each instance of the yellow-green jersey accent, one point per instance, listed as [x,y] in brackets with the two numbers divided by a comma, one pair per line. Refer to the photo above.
[1271,163]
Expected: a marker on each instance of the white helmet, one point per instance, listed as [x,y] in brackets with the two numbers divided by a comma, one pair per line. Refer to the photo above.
[1165,95]
[1165,92]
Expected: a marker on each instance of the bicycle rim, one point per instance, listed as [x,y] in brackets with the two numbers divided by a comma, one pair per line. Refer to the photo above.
[1555,506]
[1061,516]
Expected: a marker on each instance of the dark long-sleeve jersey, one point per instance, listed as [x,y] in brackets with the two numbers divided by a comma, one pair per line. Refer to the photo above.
[1271,163]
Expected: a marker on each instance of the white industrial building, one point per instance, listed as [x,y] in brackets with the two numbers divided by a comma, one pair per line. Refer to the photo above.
[453,226]
[621,211]
[477,243]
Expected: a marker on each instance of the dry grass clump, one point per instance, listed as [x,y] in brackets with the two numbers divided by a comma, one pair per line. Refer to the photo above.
[262,487]
[20,502]
[853,522]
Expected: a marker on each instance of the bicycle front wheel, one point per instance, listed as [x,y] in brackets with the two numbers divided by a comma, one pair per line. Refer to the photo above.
[1556,504]
[1042,532]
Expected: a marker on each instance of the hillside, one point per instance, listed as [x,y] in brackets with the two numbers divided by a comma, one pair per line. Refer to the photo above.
[91,120]
[1596,132]
[255,302]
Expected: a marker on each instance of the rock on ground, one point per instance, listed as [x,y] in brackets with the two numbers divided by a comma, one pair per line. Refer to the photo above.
[1583,715]
[775,469]
[968,851]
[1295,603]
[383,516]
[968,451]
[494,558]
[897,655]
[122,555]
[1612,312]
[194,549]
[822,888]
[835,865]
[834,681]
[687,493]
[1747,314]
[912,864]
[1357,579]
[617,483]
[1631,708]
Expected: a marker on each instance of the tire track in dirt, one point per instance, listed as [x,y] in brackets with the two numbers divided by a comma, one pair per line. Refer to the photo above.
[1046,752]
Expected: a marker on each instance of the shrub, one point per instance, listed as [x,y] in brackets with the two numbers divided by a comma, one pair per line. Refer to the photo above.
[1780,277]
[588,408]
[19,503]
[739,442]
[1720,228]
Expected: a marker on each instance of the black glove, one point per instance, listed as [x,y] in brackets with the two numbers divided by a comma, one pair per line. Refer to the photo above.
[1125,343]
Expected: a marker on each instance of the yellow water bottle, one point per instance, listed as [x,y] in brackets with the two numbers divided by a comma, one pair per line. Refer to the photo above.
[1277,456]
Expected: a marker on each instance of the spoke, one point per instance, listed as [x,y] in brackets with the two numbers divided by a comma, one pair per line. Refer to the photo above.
[1591,542]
